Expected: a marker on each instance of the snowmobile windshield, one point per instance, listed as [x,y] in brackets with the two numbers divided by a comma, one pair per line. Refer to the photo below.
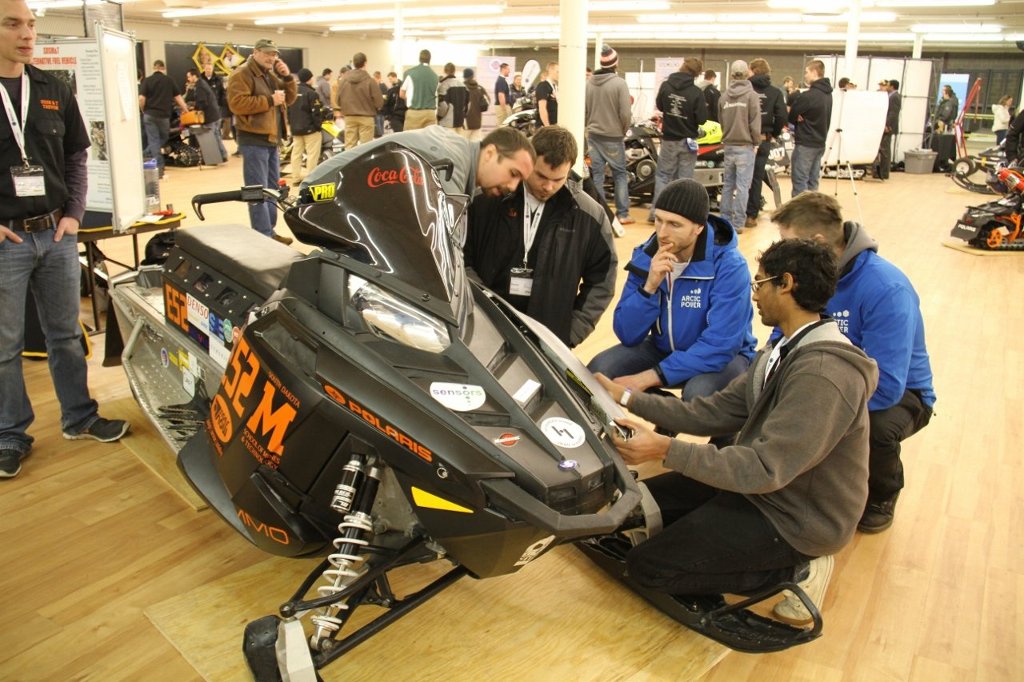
[386,208]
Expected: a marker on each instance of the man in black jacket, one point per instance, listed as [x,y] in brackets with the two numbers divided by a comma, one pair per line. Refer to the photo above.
[547,247]
[892,126]
[220,91]
[773,120]
[683,109]
[811,112]
[206,102]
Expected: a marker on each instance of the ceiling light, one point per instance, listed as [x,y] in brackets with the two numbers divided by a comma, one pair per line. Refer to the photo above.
[956,28]
[627,6]
[258,7]
[962,38]
[438,12]
[933,3]
[865,18]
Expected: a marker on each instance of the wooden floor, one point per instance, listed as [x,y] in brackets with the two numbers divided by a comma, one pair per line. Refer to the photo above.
[93,541]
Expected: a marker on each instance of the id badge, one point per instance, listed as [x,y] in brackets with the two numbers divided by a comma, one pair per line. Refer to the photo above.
[521,283]
[28,181]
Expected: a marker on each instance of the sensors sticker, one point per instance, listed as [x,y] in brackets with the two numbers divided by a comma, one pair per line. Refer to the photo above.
[563,432]
[458,397]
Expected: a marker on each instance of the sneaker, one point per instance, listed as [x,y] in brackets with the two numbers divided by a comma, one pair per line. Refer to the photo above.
[791,609]
[617,228]
[878,515]
[10,463]
[751,221]
[103,430]
[627,221]
[281,238]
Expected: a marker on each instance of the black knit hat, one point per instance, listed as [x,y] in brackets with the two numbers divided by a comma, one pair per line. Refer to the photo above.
[687,198]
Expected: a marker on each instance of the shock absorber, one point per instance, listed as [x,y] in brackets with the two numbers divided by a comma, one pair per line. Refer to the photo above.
[351,478]
[353,532]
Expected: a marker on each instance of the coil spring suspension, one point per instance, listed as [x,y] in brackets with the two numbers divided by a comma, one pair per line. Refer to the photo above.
[346,559]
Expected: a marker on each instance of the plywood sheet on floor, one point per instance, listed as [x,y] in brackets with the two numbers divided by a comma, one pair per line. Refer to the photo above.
[146,443]
[558,618]
[961,245]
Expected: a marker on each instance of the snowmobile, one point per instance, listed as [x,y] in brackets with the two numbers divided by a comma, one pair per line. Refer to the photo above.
[643,142]
[971,172]
[524,116]
[996,225]
[368,402]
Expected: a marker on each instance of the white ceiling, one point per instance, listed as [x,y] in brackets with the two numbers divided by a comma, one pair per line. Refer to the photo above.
[803,24]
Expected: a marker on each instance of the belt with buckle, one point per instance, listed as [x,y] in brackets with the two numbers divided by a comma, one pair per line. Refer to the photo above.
[39,223]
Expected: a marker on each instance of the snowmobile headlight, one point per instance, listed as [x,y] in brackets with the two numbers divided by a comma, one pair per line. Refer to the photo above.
[391,318]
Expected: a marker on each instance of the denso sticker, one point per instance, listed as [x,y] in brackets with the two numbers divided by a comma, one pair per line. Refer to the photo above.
[198,314]
[458,397]
[563,432]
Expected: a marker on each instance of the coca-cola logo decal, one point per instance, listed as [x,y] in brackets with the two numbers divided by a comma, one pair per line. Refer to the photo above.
[394,176]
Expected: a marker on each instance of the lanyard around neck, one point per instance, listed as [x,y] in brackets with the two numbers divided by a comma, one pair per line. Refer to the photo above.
[531,221]
[18,127]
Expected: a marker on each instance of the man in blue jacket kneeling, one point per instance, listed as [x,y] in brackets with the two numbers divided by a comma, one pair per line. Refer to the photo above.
[684,318]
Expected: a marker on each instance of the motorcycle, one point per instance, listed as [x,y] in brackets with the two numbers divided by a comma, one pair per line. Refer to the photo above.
[969,171]
[524,116]
[996,225]
[371,403]
[643,142]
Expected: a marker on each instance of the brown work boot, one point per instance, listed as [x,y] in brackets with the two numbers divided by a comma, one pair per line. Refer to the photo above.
[750,222]
[281,238]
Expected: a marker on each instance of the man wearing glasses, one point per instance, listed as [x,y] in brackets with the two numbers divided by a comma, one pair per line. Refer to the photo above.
[876,306]
[779,502]
[684,317]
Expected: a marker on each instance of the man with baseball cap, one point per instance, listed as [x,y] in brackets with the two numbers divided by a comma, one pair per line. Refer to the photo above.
[259,92]
[684,318]
[739,110]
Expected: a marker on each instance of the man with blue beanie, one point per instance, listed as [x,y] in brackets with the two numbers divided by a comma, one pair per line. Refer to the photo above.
[684,318]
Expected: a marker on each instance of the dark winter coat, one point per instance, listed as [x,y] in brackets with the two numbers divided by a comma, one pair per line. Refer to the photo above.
[683,107]
[572,257]
[811,112]
[773,105]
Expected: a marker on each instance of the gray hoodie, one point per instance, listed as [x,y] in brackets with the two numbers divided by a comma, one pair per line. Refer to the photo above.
[801,455]
[608,111]
[740,114]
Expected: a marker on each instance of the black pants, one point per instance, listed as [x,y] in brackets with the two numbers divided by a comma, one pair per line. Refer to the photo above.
[884,157]
[714,542]
[757,183]
[889,428]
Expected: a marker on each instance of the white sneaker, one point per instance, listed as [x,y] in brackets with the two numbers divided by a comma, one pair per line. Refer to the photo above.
[618,229]
[791,609]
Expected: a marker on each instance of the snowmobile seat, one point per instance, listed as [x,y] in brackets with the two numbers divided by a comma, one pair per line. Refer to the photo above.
[241,255]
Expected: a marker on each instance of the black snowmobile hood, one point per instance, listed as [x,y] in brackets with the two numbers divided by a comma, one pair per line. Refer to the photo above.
[387,210]
[857,241]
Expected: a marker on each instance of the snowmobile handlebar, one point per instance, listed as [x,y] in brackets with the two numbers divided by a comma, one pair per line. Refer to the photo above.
[248,194]
[513,500]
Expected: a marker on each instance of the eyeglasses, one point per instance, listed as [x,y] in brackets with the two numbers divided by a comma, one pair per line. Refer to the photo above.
[756,283]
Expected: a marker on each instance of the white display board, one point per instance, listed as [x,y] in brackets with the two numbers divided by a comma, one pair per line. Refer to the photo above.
[858,121]
[915,77]
[488,72]
[101,73]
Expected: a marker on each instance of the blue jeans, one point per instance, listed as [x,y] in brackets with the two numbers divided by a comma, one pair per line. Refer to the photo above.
[622,360]
[215,128]
[157,130]
[52,270]
[260,166]
[675,161]
[604,151]
[739,171]
[805,168]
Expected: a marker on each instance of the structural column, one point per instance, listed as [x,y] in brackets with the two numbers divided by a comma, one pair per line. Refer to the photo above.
[572,67]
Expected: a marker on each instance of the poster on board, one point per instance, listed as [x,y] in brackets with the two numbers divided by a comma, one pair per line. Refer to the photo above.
[77,63]
[101,73]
